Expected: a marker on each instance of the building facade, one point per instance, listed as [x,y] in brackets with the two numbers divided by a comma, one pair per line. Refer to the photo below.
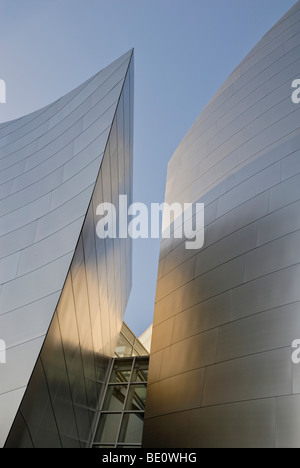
[120,420]
[63,290]
[121,415]
[221,373]
[129,345]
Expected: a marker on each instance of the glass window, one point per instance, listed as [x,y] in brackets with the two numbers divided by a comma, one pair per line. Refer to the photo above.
[139,348]
[124,349]
[103,446]
[140,373]
[132,429]
[108,428]
[122,415]
[121,372]
[115,398]
[136,398]
[128,447]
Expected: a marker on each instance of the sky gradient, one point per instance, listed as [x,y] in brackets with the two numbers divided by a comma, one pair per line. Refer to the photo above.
[184,51]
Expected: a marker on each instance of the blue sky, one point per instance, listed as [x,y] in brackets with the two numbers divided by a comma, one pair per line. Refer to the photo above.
[184,51]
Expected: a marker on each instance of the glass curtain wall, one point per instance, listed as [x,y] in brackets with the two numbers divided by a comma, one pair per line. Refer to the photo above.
[121,419]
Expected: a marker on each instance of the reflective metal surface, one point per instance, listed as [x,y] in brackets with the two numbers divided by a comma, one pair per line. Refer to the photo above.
[221,373]
[63,291]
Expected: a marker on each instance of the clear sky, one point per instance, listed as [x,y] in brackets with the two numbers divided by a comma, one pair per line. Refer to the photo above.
[184,51]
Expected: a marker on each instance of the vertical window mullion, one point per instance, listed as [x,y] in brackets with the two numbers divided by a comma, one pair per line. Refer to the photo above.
[102,402]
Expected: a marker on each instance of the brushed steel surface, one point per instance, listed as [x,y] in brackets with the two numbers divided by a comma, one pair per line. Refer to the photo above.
[235,320]
[60,360]
[252,377]
[171,395]
[238,425]
[8,404]
[287,422]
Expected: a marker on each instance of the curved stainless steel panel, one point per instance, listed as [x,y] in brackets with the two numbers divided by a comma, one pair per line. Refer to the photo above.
[226,316]
[58,160]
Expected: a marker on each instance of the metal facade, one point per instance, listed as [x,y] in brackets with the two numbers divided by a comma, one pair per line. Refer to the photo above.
[63,290]
[221,373]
